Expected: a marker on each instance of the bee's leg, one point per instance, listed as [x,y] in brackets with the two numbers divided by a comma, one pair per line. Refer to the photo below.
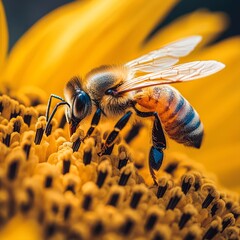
[113,135]
[49,103]
[158,140]
[133,132]
[49,119]
[94,123]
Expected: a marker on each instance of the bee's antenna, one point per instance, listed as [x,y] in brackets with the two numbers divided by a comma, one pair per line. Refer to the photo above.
[49,118]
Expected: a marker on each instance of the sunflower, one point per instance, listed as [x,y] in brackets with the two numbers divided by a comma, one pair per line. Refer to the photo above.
[61,186]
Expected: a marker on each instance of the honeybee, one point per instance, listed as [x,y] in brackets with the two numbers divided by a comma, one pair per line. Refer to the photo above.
[118,91]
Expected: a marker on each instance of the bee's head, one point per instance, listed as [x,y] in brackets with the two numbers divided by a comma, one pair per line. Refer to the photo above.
[79,101]
[102,85]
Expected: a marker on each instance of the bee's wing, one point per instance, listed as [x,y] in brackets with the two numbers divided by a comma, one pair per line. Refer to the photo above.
[165,56]
[178,73]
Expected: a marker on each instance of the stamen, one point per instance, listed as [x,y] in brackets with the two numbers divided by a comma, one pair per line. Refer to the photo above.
[194,233]
[67,212]
[75,234]
[104,170]
[89,190]
[76,139]
[170,168]
[27,204]
[30,116]
[87,155]
[8,106]
[48,182]
[17,124]
[184,219]
[71,187]
[114,199]
[187,181]
[227,221]
[38,136]
[1,106]
[26,149]
[7,139]
[217,207]
[14,114]
[14,160]
[55,208]
[213,194]
[161,233]
[176,196]
[137,195]
[232,233]
[207,201]
[97,228]
[50,230]
[27,119]
[151,221]
[123,158]
[87,202]
[236,212]
[163,186]
[71,182]
[188,212]
[198,181]
[127,227]
[40,126]
[116,195]
[66,166]
[213,230]
[125,174]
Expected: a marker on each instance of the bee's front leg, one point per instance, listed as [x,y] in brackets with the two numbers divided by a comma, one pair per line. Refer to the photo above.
[108,145]
[49,116]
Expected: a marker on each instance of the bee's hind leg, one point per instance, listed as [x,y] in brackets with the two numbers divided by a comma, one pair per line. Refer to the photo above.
[159,144]
[158,140]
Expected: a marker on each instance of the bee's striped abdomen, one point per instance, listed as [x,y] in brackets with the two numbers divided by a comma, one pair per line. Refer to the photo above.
[179,119]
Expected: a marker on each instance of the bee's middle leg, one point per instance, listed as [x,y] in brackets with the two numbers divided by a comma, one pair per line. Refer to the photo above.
[158,140]
[107,147]
[94,123]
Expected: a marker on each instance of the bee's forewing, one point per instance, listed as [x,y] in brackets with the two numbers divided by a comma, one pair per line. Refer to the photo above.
[178,73]
[165,56]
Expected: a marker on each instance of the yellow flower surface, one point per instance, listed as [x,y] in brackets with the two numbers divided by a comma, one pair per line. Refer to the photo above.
[60,186]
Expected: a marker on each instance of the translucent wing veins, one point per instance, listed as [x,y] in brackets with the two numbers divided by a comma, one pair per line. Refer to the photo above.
[178,73]
[164,57]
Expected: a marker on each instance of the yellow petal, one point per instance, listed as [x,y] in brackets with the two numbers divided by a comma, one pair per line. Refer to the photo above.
[20,228]
[201,22]
[3,36]
[84,43]
[216,98]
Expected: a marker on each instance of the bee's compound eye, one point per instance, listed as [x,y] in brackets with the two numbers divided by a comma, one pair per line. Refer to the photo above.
[81,105]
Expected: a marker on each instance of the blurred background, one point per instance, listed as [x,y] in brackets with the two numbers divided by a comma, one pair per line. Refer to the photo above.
[23,14]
